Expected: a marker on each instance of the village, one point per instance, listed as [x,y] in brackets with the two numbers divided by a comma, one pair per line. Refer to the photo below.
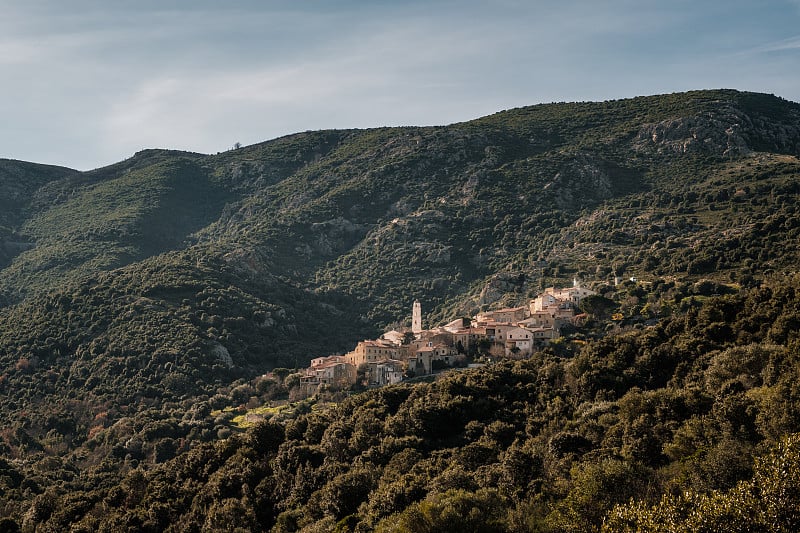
[397,355]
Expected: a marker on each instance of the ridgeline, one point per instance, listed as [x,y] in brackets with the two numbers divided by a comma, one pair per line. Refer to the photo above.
[144,304]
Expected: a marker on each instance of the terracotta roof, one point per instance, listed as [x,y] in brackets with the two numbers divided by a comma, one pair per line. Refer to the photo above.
[379,344]
[330,365]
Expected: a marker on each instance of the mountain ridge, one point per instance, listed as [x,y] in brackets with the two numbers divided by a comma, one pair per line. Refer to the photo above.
[165,284]
[312,202]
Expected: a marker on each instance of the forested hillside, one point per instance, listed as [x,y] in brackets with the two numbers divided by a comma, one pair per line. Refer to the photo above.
[143,301]
[552,443]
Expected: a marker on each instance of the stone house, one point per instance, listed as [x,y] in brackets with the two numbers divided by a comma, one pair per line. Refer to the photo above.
[520,339]
[456,325]
[509,314]
[541,319]
[466,337]
[421,361]
[333,370]
[387,372]
[498,331]
[544,301]
[373,351]
[395,337]
[434,336]
[543,336]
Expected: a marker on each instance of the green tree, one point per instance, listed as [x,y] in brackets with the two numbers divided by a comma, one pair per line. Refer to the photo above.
[454,511]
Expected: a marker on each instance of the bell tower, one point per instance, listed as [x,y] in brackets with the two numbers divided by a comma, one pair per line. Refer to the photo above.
[416,318]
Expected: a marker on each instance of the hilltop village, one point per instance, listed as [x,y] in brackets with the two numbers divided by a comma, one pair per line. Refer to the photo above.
[396,355]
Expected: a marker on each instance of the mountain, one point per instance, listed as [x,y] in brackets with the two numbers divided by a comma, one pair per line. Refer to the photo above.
[141,297]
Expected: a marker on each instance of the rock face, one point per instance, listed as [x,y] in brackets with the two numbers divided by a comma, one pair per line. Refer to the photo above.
[499,285]
[249,262]
[720,134]
[336,235]
[728,133]
[580,180]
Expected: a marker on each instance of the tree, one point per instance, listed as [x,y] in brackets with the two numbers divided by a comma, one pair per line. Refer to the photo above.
[597,306]
[452,511]
[483,346]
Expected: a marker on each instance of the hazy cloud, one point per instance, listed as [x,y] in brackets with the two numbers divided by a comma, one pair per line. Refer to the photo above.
[792,43]
[91,82]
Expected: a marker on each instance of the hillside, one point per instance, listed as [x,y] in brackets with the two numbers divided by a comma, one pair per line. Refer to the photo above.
[551,444]
[144,295]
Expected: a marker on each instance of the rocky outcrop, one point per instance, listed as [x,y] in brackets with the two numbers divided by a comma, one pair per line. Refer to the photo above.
[335,235]
[580,180]
[728,133]
[499,286]
[713,133]
[250,262]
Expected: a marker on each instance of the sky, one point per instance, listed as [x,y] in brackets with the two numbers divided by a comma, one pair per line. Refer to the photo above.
[87,83]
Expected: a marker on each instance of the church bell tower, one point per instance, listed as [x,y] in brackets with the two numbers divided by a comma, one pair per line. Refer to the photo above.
[416,318]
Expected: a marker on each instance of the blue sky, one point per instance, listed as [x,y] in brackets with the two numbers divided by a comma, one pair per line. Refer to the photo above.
[86,83]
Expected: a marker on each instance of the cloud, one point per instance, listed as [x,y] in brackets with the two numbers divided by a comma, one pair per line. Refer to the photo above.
[792,43]
[347,83]
[18,52]
[160,74]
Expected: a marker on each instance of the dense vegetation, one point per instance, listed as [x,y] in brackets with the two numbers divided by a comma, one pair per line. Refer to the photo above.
[679,409]
[141,303]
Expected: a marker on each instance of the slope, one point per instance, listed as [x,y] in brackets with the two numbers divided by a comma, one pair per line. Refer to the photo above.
[153,286]
[548,444]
